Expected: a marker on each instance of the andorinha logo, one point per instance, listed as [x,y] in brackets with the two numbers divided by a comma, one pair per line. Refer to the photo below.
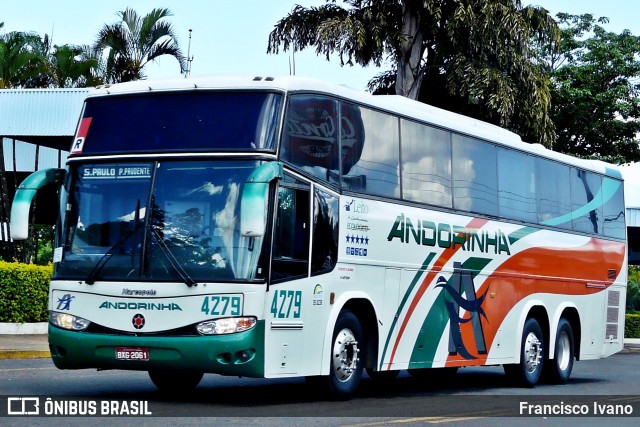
[150,306]
[64,303]
[428,233]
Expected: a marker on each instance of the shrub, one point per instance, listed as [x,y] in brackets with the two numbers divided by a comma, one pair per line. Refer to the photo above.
[632,326]
[23,292]
[633,289]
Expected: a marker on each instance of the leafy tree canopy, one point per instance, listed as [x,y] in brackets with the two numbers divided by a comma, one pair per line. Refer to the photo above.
[469,56]
[20,59]
[73,66]
[595,90]
[29,61]
[136,40]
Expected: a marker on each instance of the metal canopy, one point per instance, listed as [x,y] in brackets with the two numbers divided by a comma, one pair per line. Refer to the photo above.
[46,117]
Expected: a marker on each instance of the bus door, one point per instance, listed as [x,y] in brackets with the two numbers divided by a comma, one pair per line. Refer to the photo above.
[289,272]
[305,246]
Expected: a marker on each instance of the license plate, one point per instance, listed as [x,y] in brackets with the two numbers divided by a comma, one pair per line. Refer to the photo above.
[132,353]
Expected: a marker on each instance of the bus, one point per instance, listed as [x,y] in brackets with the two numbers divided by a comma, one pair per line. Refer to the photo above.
[288,227]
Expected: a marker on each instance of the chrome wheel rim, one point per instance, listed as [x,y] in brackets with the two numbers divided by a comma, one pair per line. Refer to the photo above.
[345,355]
[532,352]
[563,355]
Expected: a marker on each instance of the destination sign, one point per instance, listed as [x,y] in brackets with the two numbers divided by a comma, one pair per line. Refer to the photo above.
[111,171]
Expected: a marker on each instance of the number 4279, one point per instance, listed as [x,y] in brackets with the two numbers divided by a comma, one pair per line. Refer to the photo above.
[221,305]
[286,304]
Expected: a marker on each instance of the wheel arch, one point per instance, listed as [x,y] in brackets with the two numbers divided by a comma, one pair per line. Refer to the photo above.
[362,307]
[571,314]
[537,310]
[364,311]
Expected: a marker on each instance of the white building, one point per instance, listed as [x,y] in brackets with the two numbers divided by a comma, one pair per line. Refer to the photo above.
[36,130]
[631,174]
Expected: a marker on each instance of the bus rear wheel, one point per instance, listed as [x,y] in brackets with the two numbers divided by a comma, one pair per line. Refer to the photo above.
[558,369]
[528,371]
[176,381]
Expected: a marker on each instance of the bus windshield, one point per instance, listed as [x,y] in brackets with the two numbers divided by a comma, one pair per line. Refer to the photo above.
[157,221]
[205,121]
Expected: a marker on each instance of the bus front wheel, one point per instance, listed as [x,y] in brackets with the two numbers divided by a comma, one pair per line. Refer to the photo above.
[347,356]
[176,381]
[527,372]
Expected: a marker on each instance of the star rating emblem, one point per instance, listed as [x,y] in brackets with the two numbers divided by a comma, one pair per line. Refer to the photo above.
[354,238]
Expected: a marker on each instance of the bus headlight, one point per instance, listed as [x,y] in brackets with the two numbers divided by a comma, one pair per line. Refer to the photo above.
[68,321]
[227,325]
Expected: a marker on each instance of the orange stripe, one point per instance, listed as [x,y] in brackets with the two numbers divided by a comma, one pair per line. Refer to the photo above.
[566,271]
[446,255]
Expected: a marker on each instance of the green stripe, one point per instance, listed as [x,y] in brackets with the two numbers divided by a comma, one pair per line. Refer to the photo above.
[417,276]
[437,319]
[521,233]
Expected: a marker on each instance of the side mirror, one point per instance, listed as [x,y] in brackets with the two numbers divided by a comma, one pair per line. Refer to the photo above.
[253,205]
[24,196]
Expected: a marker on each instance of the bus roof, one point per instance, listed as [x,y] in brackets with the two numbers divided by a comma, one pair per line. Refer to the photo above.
[391,103]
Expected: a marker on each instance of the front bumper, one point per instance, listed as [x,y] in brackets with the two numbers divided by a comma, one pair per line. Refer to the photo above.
[240,354]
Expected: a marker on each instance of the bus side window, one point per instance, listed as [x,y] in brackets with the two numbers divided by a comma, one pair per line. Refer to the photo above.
[324,253]
[291,236]
[310,137]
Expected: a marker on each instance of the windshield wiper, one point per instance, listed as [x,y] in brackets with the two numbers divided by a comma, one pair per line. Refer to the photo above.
[91,279]
[175,264]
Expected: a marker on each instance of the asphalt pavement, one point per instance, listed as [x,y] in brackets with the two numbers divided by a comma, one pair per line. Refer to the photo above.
[26,346]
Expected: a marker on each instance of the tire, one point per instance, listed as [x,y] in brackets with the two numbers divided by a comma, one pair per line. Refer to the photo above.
[347,357]
[532,350]
[558,370]
[176,381]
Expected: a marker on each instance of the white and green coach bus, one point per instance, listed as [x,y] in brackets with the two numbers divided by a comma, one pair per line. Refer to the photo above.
[281,227]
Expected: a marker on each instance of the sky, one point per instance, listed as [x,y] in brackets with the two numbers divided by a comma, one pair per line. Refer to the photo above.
[230,36]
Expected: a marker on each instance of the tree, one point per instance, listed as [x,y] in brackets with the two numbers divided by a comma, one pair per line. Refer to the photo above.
[29,61]
[595,90]
[73,66]
[469,56]
[130,44]
[633,289]
[20,59]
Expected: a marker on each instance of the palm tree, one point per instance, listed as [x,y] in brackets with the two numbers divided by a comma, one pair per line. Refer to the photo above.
[20,59]
[73,66]
[133,42]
